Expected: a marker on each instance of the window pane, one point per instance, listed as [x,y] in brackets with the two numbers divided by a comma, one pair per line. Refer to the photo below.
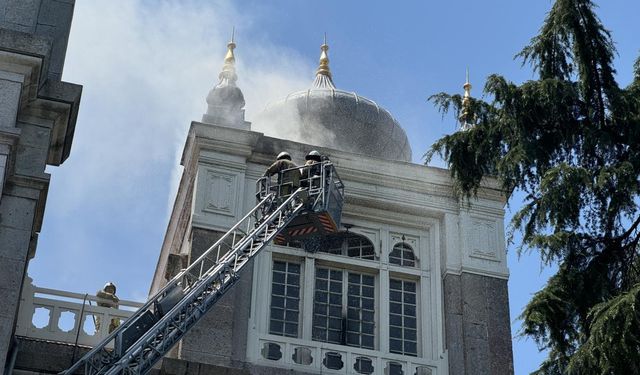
[321,284]
[292,316]
[284,319]
[367,280]
[395,296]
[395,320]
[278,277]
[277,313]
[359,247]
[360,305]
[367,327]
[294,269]
[322,296]
[293,279]
[367,316]
[335,299]
[277,289]
[277,301]
[395,332]
[322,273]
[395,346]
[327,322]
[402,255]
[293,291]
[403,337]
[335,286]
[395,308]
[291,329]
[279,266]
[410,334]
[367,341]
[368,291]
[344,319]
[410,286]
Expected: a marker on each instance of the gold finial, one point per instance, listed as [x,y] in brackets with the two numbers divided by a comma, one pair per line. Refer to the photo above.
[323,73]
[467,86]
[229,68]
[465,111]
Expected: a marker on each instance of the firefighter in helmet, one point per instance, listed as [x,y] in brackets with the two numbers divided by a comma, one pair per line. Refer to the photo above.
[288,173]
[107,298]
[312,169]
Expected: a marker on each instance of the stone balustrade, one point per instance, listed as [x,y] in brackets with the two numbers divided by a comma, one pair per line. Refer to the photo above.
[61,316]
[275,351]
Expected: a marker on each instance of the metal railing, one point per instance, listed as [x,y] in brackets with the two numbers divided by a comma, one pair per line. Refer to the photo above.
[319,180]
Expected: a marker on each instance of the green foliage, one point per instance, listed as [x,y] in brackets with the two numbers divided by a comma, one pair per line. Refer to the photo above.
[570,141]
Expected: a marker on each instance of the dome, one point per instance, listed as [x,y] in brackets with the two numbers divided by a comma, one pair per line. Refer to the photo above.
[225,95]
[333,118]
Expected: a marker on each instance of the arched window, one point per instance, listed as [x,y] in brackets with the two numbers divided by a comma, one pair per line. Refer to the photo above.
[359,247]
[350,244]
[402,255]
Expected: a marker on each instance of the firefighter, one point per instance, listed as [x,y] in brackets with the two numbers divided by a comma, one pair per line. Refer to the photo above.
[288,174]
[107,298]
[311,169]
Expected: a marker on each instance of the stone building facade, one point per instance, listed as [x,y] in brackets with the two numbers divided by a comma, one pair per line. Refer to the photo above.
[37,120]
[415,282]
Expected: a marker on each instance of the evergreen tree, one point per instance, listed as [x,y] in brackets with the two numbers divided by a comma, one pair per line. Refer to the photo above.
[570,141]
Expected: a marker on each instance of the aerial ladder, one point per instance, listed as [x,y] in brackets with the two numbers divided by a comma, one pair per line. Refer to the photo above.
[311,211]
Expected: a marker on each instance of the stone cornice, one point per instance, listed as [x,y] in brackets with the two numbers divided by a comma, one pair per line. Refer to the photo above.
[378,173]
[26,56]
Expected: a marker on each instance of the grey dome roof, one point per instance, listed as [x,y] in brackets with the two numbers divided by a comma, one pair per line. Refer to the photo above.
[328,117]
[226,95]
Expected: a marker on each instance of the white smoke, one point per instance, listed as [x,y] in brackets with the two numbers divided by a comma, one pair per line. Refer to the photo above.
[146,68]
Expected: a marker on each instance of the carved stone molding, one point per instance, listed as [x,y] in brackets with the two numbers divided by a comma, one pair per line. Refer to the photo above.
[484,240]
[220,193]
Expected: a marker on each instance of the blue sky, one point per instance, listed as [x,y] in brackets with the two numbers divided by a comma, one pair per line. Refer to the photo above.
[146,67]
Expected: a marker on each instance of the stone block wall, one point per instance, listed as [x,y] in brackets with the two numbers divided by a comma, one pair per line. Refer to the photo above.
[478,334]
[220,337]
[50,19]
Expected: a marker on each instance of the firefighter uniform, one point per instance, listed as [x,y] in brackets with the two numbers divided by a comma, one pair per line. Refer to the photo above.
[288,174]
[108,298]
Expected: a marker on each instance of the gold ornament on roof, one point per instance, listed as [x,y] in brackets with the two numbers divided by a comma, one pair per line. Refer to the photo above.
[323,73]
[229,68]
[465,112]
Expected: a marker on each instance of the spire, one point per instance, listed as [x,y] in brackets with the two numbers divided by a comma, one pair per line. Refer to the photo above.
[228,74]
[466,117]
[225,102]
[323,74]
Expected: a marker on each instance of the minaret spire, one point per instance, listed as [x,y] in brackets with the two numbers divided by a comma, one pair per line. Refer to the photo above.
[225,102]
[323,73]
[466,120]
[228,74]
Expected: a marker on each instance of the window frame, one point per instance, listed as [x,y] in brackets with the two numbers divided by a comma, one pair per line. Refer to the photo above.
[385,237]
[345,273]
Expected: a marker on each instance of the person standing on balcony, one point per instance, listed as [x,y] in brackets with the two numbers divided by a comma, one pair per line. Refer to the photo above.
[107,298]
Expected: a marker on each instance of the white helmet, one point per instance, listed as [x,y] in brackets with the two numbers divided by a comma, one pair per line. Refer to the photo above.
[283,155]
[313,155]
[110,285]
